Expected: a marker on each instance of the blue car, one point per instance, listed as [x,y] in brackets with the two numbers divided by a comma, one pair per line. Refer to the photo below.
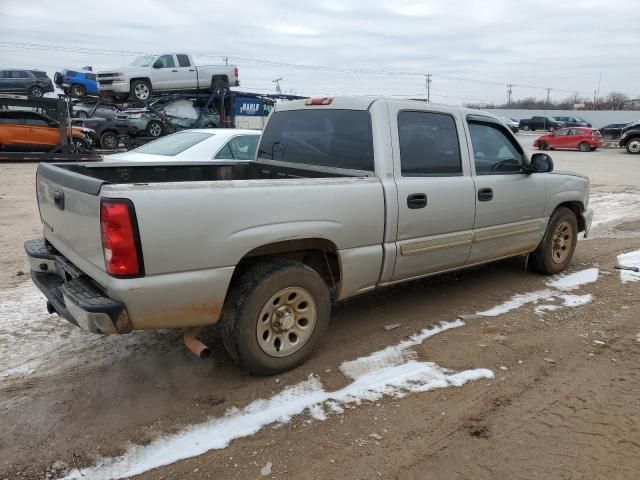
[77,83]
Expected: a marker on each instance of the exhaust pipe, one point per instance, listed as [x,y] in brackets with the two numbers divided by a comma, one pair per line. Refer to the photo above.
[195,345]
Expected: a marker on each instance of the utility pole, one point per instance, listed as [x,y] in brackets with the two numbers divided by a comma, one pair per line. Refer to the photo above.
[509,92]
[226,60]
[428,79]
[277,82]
[546,106]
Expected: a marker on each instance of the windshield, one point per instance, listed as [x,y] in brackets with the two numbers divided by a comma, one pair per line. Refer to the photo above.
[174,144]
[143,61]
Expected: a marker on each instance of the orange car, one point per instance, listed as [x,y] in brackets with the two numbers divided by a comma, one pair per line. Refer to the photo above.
[31,131]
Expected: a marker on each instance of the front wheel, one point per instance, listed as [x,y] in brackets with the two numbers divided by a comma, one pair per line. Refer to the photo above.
[558,244]
[81,114]
[275,316]
[633,146]
[584,147]
[140,90]
[78,91]
[79,144]
[109,141]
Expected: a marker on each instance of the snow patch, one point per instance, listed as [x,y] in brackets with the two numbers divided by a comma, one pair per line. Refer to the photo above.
[574,280]
[610,209]
[383,373]
[630,259]
[559,285]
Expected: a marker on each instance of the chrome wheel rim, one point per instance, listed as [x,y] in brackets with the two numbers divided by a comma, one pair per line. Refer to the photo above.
[78,144]
[155,130]
[286,322]
[562,242]
[77,91]
[142,91]
[634,146]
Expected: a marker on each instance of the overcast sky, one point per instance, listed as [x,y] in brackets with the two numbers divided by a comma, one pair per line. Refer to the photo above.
[561,45]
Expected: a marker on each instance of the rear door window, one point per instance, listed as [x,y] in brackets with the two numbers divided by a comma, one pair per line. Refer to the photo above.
[428,144]
[183,60]
[323,137]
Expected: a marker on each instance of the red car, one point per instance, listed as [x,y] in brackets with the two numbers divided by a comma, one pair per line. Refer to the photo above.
[582,138]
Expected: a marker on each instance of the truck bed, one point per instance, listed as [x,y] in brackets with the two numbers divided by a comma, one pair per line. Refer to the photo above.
[89,178]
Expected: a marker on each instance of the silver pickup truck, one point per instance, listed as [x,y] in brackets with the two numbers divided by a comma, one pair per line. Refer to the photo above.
[346,195]
[164,73]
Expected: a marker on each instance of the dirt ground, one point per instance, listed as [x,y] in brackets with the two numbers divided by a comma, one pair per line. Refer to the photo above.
[563,403]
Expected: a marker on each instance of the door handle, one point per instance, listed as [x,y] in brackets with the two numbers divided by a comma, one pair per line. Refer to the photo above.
[58,199]
[485,194]
[191,70]
[417,200]
[175,71]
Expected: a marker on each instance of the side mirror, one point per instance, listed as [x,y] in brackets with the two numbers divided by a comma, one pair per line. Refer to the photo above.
[552,134]
[157,65]
[540,163]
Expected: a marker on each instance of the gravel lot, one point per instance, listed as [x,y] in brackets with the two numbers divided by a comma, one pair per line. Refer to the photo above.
[541,384]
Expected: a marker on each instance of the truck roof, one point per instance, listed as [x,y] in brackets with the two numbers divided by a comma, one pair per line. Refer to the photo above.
[365,102]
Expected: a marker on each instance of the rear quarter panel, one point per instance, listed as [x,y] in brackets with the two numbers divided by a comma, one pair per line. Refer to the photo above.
[193,234]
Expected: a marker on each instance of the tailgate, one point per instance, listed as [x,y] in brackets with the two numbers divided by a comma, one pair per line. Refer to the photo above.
[69,205]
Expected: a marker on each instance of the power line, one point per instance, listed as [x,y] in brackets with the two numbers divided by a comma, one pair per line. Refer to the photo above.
[272,63]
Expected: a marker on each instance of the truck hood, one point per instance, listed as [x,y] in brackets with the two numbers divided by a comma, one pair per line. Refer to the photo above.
[567,172]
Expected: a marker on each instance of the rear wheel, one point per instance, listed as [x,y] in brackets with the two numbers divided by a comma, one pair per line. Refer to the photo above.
[558,244]
[219,86]
[154,128]
[527,128]
[36,92]
[584,147]
[275,316]
[109,141]
[81,114]
[633,146]
[78,91]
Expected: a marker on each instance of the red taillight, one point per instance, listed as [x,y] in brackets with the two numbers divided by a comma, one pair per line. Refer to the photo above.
[235,72]
[318,101]
[119,238]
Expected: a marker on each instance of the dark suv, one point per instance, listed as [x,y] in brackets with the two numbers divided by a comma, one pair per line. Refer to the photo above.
[34,83]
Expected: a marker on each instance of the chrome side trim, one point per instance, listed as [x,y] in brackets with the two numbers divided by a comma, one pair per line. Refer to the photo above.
[439,242]
[492,233]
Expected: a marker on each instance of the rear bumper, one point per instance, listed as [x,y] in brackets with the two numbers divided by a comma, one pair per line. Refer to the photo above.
[73,295]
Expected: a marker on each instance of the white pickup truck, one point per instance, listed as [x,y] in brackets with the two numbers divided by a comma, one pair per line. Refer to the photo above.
[164,73]
[346,195]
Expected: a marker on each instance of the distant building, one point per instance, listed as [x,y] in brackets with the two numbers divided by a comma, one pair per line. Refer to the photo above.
[633,104]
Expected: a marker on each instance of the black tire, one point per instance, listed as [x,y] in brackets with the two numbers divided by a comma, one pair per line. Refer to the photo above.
[526,128]
[250,294]
[36,92]
[584,147]
[219,85]
[140,90]
[543,146]
[633,146]
[545,258]
[81,114]
[552,128]
[154,129]
[109,141]
[77,91]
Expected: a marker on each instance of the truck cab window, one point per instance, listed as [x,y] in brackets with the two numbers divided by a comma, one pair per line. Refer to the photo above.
[428,144]
[493,151]
[166,61]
